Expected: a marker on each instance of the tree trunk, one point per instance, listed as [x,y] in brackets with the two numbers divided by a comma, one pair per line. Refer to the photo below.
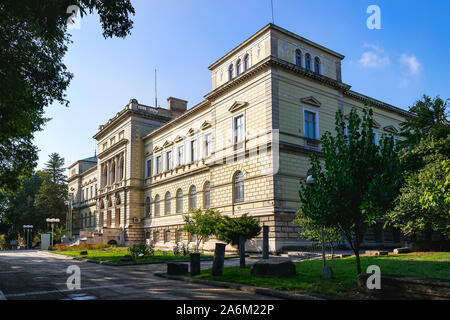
[358,262]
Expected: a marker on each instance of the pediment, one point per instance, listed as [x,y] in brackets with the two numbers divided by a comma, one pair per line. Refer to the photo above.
[237,105]
[205,125]
[390,129]
[376,124]
[311,101]
[157,148]
[167,144]
[191,132]
[178,138]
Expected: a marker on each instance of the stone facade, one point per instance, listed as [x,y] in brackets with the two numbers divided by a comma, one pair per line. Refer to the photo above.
[241,150]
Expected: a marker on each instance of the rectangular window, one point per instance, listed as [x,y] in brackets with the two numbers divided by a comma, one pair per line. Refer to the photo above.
[238,131]
[105,146]
[180,155]
[207,144]
[158,164]
[310,124]
[113,140]
[169,163]
[121,135]
[92,194]
[375,137]
[82,195]
[148,166]
[194,150]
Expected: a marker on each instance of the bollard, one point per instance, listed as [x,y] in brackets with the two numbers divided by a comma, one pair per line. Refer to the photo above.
[219,258]
[242,251]
[265,253]
[195,263]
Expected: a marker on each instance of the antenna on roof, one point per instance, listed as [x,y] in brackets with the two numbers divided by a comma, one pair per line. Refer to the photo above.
[271,4]
[156,93]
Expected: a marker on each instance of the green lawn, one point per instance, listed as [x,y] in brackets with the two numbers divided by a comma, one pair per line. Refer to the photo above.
[113,254]
[308,278]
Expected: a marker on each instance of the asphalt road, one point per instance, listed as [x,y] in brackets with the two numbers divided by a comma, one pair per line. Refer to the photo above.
[29,275]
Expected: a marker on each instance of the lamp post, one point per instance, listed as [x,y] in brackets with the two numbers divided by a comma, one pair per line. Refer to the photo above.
[326,271]
[28,228]
[52,221]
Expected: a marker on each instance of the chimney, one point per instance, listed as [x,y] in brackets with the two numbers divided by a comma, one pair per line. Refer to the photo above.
[176,105]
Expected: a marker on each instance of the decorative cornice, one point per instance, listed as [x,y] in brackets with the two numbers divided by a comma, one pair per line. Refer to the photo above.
[391,129]
[167,144]
[377,103]
[178,138]
[311,100]
[205,125]
[116,146]
[237,105]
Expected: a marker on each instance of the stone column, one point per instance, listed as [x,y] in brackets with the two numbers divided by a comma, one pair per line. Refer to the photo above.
[265,251]
[241,251]
[219,259]
[195,263]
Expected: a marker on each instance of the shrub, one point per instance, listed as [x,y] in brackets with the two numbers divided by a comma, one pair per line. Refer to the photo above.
[3,243]
[185,249]
[178,249]
[141,249]
[230,229]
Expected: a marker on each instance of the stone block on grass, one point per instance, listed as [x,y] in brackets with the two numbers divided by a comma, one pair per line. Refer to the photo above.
[401,250]
[177,269]
[276,267]
[376,253]
[83,253]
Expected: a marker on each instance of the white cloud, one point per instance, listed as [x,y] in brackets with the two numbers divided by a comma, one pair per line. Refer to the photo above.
[373,47]
[370,59]
[411,63]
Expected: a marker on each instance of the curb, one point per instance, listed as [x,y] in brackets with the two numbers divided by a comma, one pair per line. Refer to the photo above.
[113,264]
[243,287]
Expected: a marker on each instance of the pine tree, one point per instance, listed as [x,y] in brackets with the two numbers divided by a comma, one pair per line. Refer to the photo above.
[52,194]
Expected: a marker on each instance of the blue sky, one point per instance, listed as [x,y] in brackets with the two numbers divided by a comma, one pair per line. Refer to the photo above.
[407,57]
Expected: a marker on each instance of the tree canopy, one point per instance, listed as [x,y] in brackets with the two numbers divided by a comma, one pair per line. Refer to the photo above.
[355,179]
[33,42]
[229,229]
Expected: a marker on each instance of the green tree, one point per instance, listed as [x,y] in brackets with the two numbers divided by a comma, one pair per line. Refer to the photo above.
[431,120]
[201,224]
[19,207]
[423,204]
[356,181]
[229,229]
[33,41]
[52,194]
[311,231]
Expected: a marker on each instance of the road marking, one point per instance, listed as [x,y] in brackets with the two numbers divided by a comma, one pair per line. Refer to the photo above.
[81,289]
[2,296]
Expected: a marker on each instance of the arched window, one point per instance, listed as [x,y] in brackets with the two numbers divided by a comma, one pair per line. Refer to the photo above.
[317,65]
[207,195]
[308,61]
[121,168]
[157,205]
[246,62]
[167,236]
[167,203]
[179,201]
[156,236]
[298,58]
[113,171]
[147,207]
[230,72]
[179,236]
[238,187]
[238,67]
[104,175]
[193,198]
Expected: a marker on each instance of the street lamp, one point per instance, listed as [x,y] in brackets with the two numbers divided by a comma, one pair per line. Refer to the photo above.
[326,271]
[52,221]
[28,228]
